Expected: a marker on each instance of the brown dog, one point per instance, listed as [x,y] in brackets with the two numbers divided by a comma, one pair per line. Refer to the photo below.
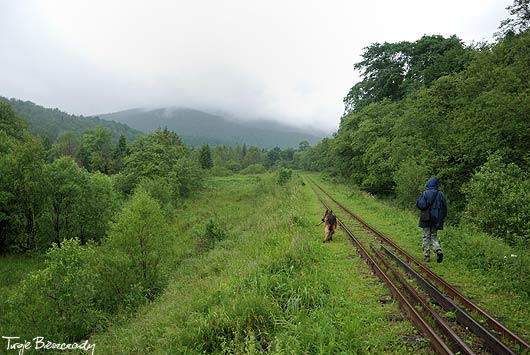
[330,221]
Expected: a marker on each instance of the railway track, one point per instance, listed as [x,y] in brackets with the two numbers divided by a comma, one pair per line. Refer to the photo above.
[424,296]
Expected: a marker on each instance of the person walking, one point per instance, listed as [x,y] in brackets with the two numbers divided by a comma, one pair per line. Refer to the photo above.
[330,221]
[433,208]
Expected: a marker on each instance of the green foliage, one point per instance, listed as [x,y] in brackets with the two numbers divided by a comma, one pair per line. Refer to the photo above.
[10,123]
[497,200]
[95,151]
[152,155]
[24,186]
[519,20]
[96,206]
[66,181]
[410,180]
[158,188]
[67,144]
[213,233]
[60,299]
[392,70]
[140,233]
[507,266]
[221,171]
[283,176]
[185,177]
[205,157]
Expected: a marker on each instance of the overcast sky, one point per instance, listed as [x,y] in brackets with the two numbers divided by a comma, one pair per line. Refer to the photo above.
[291,61]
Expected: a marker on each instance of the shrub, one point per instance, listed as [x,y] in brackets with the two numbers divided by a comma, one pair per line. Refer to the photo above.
[410,181]
[186,176]
[283,176]
[140,232]
[212,234]
[60,300]
[497,200]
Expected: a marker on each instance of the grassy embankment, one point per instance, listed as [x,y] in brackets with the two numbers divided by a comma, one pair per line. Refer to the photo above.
[269,285]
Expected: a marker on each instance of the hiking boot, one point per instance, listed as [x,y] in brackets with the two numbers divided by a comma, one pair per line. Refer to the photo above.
[427,259]
[439,257]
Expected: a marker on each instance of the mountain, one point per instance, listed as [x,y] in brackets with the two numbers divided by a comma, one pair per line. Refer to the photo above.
[51,123]
[197,128]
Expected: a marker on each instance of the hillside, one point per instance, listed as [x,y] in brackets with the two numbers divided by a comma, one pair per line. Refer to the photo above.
[197,128]
[52,122]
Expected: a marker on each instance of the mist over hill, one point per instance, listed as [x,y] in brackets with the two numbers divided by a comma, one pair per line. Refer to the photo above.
[197,127]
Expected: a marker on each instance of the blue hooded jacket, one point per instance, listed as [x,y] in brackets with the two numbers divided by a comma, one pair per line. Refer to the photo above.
[438,207]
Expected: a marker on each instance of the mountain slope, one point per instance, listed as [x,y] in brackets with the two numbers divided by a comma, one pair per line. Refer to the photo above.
[52,122]
[197,128]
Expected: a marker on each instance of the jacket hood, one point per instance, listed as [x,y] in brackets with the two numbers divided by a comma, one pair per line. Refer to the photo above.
[432,183]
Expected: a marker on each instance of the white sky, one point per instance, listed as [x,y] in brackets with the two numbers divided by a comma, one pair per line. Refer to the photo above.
[291,61]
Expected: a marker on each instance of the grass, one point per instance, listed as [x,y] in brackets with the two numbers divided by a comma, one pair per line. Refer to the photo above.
[269,286]
[13,269]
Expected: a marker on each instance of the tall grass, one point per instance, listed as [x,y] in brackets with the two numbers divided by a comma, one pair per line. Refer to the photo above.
[268,286]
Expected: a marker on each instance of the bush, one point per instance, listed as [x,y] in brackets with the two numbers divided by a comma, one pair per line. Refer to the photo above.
[60,300]
[140,233]
[497,200]
[283,176]
[212,234]
[410,181]
[185,177]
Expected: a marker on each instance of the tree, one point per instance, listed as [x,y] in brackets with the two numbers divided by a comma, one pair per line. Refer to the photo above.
[303,145]
[67,144]
[140,232]
[274,155]
[10,123]
[393,70]
[29,187]
[95,207]
[383,68]
[95,150]
[519,20]
[205,157]
[119,153]
[151,155]
[66,181]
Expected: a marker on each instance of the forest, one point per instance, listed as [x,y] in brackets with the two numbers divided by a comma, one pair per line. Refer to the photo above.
[100,225]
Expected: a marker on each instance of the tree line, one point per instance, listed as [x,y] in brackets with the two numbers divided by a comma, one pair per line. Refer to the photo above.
[73,186]
[438,107]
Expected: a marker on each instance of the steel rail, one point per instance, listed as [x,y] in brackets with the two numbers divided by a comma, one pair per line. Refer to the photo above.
[451,291]
[458,345]
[494,344]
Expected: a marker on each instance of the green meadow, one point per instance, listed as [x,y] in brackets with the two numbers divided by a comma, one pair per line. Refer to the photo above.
[269,285]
